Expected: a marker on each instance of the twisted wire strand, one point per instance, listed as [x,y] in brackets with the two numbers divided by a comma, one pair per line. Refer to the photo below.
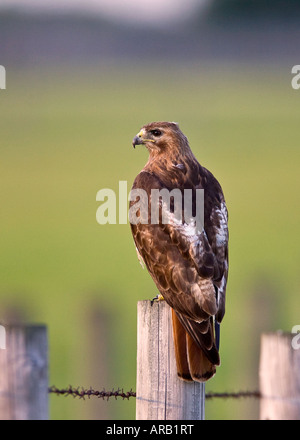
[89,392]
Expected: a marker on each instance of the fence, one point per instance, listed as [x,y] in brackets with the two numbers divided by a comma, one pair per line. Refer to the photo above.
[160,395]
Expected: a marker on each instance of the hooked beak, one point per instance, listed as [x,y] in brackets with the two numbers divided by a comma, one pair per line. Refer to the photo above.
[139,138]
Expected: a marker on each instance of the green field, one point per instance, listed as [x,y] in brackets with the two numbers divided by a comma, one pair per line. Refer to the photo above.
[64,136]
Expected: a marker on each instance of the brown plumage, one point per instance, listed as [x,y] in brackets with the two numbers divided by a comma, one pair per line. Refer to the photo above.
[188,265]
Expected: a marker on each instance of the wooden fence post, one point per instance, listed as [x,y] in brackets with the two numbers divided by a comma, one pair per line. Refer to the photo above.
[23,373]
[160,394]
[279,376]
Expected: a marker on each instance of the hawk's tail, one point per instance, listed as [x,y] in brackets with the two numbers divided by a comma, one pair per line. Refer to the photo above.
[195,350]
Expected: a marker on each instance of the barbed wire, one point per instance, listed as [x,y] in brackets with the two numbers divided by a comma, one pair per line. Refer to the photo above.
[237,395]
[82,392]
[89,392]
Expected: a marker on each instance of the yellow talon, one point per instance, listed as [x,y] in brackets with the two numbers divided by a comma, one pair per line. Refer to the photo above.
[158,297]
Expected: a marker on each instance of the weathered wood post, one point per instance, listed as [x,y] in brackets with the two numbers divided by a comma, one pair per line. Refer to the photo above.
[279,377]
[23,372]
[160,394]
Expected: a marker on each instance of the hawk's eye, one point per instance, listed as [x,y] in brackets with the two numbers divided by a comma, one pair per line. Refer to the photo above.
[156,132]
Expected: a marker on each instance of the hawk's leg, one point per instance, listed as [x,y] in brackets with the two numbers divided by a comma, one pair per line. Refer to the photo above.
[158,297]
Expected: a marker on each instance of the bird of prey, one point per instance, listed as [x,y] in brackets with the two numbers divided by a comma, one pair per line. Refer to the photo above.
[189,265]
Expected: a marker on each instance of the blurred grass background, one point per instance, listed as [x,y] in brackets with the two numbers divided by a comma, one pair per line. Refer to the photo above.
[64,136]
[79,87]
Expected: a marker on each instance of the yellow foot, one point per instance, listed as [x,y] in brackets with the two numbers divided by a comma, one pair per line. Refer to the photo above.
[158,297]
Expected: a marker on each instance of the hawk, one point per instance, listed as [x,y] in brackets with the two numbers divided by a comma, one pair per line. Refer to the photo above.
[189,265]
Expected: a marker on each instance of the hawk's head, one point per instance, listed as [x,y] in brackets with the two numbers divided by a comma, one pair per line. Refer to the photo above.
[160,137]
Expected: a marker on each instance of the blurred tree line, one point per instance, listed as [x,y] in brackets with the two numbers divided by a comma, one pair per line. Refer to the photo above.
[246,10]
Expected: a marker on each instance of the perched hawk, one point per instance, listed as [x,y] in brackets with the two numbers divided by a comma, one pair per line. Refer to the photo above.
[189,265]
